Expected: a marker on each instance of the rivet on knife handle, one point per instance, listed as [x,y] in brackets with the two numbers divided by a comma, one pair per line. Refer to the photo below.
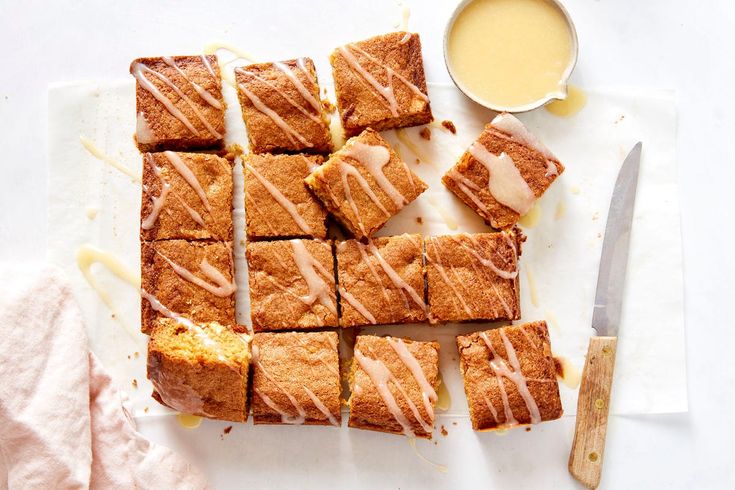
[588,448]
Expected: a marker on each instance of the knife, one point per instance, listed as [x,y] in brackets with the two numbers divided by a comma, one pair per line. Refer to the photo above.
[588,447]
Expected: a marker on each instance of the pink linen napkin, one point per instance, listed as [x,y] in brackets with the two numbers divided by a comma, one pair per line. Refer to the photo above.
[62,422]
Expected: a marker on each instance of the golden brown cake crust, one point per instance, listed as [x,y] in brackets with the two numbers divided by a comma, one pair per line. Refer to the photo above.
[530,162]
[266,216]
[367,408]
[179,294]
[463,283]
[363,278]
[360,105]
[285,366]
[214,175]
[192,377]
[280,297]
[328,184]
[158,129]
[273,88]
[531,346]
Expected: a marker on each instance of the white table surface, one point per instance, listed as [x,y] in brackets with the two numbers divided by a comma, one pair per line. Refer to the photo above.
[663,44]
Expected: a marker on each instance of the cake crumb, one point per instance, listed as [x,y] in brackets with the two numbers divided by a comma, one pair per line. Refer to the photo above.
[418,161]
[227,430]
[444,431]
[129,356]
[135,383]
[145,409]
[425,133]
[449,125]
[328,106]
[528,429]
[454,423]
[136,354]
[419,220]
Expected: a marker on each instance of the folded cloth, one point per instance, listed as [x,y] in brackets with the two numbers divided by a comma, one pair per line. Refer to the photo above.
[62,422]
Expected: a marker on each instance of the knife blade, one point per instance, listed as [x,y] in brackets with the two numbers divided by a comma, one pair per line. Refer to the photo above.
[614,258]
[588,446]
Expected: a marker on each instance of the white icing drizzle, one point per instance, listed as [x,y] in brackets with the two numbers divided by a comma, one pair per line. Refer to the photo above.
[485,261]
[183,169]
[551,169]
[467,187]
[310,270]
[356,304]
[143,132]
[89,145]
[297,83]
[283,94]
[290,132]
[321,407]
[395,278]
[443,273]
[374,158]
[380,376]
[208,66]
[204,94]
[282,200]
[138,72]
[286,418]
[512,373]
[504,304]
[332,343]
[158,201]
[428,394]
[346,170]
[510,125]
[386,92]
[364,256]
[406,37]
[505,182]
[223,288]
[310,164]
[490,407]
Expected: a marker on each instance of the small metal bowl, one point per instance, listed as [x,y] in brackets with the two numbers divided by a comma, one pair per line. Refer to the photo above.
[526,107]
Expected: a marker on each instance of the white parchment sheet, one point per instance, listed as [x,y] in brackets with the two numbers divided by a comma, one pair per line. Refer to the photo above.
[90,202]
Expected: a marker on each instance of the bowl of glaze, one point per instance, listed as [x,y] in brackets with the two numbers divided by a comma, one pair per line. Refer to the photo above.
[529,25]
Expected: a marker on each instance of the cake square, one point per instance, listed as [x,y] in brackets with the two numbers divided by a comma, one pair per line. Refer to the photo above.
[194,280]
[365,183]
[380,83]
[509,376]
[179,103]
[296,378]
[292,285]
[473,277]
[393,383]
[381,282]
[186,196]
[522,168]
[277,202]
[200,369]
[282,109]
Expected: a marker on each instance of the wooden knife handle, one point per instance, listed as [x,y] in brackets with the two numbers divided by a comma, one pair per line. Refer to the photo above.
[588,448]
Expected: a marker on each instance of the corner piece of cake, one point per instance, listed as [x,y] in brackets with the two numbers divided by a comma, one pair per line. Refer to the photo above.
[381,282]
[503,172]
[179,103]
[365,183]
[394,385]
[380,83]
[193,279]
[200,369]
[296,378]
[473,277]
[277,202]
[292,285]
[282,109]
[509,376]
[186,196]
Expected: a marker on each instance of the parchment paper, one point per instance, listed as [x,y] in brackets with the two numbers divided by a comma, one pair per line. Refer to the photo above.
[560,257]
